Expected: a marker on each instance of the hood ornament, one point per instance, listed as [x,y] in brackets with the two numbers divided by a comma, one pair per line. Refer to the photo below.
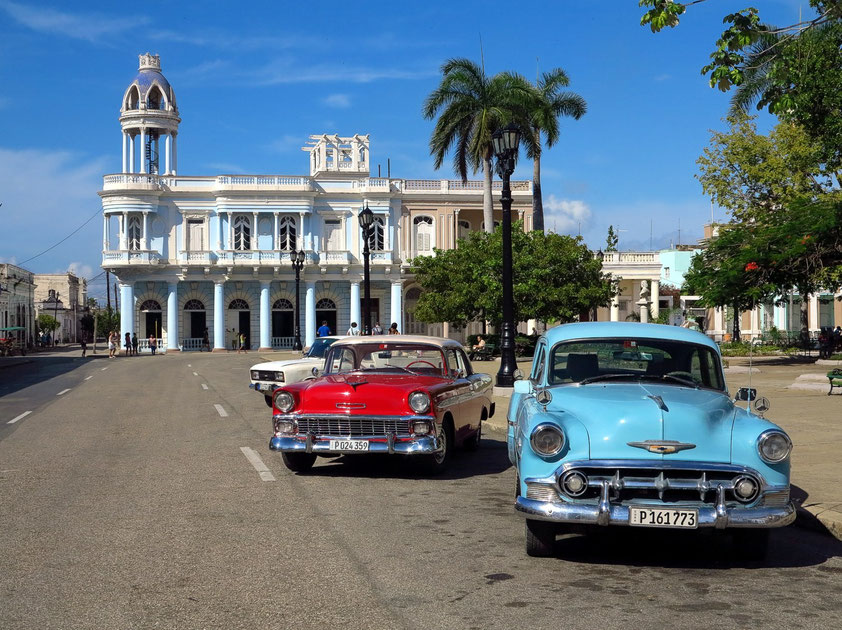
[662,447]
[544,397]
[660,402]
[355,382]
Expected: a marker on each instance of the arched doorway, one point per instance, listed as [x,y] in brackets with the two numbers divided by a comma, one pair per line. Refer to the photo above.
[326,312]
[283,323]
[152,317]
[198,318]
[242,319]
[411,326]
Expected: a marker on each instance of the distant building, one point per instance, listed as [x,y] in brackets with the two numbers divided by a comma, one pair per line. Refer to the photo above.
[17,303]
[214,251]
[63,296]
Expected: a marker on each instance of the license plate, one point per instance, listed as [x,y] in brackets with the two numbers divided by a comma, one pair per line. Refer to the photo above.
[349,445]
[657,517]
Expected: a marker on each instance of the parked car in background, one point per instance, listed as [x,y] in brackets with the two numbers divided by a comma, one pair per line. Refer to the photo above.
[631,424]
[407,395]
[267,377]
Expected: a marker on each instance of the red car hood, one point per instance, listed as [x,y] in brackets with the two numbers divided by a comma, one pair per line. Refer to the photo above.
[362,394]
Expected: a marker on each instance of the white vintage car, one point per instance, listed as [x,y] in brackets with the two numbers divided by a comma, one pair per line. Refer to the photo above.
[266,377]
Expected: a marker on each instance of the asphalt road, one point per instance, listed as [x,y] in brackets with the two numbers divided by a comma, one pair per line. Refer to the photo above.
[129,502]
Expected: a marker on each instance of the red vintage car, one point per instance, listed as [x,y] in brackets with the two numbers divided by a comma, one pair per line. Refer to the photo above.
[407,395]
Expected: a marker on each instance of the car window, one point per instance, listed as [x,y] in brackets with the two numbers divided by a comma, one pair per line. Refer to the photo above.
[319,348]
[538,363]
[464,363]
[396,357]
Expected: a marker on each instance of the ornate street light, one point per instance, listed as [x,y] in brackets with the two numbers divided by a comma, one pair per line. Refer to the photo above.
[506,143]
[366,217]
[297,263]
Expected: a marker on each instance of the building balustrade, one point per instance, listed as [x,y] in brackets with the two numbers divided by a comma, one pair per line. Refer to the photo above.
[131,257]
[264,182]
[457,185]
[282,342]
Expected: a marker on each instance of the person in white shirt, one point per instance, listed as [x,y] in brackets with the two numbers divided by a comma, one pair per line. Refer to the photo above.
[353,330]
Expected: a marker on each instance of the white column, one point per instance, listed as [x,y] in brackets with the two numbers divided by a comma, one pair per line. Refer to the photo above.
[174,154]
[719,320]
[355,305]
[276,243]
[265,317]
[125,152]
[397,307]
[131,153]
[105,244]
[253,231]
[167,145]
[299,236]
[123,240]
[309,313]
[615,309]
[655,297]
[780,317]
[218,231]
[172,317]
[126,311]
[814,312]
[145,230]
[219,316]
[142,150]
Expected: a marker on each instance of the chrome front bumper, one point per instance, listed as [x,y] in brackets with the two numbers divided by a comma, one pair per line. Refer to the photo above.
[264,388]
[425,445]
[605,513]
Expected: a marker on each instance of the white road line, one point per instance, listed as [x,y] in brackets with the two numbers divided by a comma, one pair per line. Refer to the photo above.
[87,378]
[204,386]
[221,411]
[189,365]
[64,391]
[20,417]
[195,374]
[103,369]
[259,466]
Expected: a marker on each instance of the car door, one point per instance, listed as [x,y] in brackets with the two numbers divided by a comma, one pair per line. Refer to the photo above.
[461,395]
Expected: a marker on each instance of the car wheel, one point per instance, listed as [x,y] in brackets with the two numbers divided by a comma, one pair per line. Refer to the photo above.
[268,400]
[299,462]
[751,544]
[540,538]
[437,462]
[472,443]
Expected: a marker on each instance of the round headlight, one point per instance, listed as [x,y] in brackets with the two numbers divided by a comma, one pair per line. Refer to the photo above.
[419,401]
[745,488]
[547,440]
[573,483]
[773,446]
[284,401]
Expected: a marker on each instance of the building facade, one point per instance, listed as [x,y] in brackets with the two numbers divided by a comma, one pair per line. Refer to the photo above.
[17,303]
[213,253]
[63,296]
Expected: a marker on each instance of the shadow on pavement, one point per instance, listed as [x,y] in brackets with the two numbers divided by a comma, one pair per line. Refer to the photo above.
[17,373]
[490,459]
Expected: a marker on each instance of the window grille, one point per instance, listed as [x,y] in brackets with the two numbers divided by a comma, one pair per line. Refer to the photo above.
[287,232]
[282,305]
[150,305]
[238,305]
[242,233]
[194,305]
[134,233]
[325,304]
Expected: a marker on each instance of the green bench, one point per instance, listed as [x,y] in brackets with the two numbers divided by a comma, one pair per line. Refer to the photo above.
[835,378]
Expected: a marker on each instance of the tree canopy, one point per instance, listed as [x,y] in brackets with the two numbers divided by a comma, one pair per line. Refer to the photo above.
[556,278]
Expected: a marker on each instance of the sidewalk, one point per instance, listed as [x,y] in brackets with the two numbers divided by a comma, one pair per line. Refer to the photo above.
[810,417]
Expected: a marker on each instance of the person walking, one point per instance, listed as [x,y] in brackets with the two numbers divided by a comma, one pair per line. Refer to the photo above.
[234,338]
[112,343]
[128,344]
[323,331]
[393,329]
[242,343]
[353,330]
[134,344]
[205,341]
[153,344]
[84,346]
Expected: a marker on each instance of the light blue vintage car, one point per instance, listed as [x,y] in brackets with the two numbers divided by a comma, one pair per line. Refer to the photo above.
[631,424]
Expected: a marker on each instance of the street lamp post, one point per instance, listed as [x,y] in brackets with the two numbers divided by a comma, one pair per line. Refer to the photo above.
[55,311]
[506,143]
[297,263]
[366,217]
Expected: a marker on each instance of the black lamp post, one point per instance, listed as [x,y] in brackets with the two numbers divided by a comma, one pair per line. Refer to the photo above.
[366,217]
[297,264]
[506,143]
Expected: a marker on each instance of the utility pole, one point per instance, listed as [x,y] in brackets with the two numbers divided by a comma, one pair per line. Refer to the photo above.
[116,301]
[108,290]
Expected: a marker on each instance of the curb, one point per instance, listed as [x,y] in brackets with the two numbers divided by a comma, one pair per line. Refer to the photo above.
[824,518]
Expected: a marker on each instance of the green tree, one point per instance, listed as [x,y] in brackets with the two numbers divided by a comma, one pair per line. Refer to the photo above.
[48,323]
[107,320]
[556,278]
[611,240]
[549,104]
[470,108]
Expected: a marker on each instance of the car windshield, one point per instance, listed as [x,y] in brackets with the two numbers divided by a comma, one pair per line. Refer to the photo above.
[405,358]
[319,348]
[603,360]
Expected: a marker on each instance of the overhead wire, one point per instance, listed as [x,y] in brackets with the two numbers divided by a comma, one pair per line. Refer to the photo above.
[98,212]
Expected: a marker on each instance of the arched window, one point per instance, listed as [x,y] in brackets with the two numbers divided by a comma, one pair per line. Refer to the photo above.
[496,224]
[423,233]
[377,237]
[150,305]
[238,305]
[464,229]
[325,304]
[242,233]
[155,99]
[282,305]
[413,294]
[134,233]
[132,98]
[193,305]
[287,229]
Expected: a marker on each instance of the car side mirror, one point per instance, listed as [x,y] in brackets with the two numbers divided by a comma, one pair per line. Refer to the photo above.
[523,387]
[745,394]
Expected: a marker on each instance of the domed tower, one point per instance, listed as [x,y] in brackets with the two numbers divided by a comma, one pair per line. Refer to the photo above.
[149,118]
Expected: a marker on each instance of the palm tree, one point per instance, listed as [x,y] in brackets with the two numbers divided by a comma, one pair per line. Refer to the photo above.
[470,107]
[548,105]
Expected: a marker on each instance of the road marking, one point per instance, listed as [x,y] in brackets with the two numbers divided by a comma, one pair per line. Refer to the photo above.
[221,411]
[87,378]
[259,466]
[204,386]
[103,369]
[64,391]
[20,417]
[195,374]
[189,365]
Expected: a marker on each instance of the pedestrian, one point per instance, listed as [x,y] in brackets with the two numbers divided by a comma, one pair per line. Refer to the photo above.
[134,344]
[128,344]
[393,329]
[112,343]
[84,347]
[153,344]
[205,341]
[353,330]
[323,330]
[378,329]
[242,343]
[234,338]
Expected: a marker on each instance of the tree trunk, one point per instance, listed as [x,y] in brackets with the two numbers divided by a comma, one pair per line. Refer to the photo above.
[805,321]
[487,208]
[735,334]
[537,201]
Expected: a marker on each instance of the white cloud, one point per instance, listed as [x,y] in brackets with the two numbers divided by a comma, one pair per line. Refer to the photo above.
[90,26]
[565,215]
[81,269]
[340,101]
[287,143]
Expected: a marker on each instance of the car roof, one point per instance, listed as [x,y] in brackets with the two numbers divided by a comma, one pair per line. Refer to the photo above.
[364,339]
[621,330]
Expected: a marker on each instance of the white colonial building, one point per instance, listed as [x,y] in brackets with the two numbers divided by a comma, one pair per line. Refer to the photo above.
[213,252]
[63,296]
[17,303]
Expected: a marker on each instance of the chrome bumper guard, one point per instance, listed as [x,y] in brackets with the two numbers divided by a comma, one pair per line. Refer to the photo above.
[263,388]
[425,445]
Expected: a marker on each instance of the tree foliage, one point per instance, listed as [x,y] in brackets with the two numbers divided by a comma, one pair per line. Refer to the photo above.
[611,240]
[48,323]
[555,279]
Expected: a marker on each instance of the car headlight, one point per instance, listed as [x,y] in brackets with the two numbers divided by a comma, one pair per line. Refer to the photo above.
[419,402]
[279,377]
[547,440]
[773,446]
[255,375]
[284,401]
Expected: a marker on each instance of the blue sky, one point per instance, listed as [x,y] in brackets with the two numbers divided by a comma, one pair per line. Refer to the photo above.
[254,80]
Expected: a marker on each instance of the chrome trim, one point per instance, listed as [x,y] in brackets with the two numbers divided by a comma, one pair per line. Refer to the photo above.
[350,405]
[767,433]
[603,516]
[656,464]
[347,416]
[663,447]
[547,425]
[425,445]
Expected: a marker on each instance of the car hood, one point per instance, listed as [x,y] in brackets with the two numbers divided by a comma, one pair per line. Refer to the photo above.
[279,365]
[615,414]
[364,394]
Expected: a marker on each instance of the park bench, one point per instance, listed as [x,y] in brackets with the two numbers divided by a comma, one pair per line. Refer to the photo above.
[835,378]
[484,354]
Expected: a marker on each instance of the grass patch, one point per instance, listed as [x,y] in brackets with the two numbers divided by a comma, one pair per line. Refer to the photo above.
[743,349]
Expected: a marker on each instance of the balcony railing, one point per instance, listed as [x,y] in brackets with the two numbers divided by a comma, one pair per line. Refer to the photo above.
[264,182]
[457,185]
[645,258]
[131,257]
[282,342]
[195,257]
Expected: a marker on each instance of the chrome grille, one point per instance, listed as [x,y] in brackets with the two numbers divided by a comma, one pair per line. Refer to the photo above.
[776,499]
[349,426]
[262,375]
